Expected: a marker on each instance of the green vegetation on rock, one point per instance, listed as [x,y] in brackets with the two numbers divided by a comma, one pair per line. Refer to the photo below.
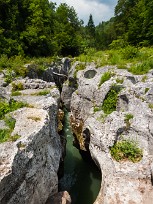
[109,103]
[9,107]
[105,77]
[5,134]
[126,150]
[127,119]
[43,93]
[79,67]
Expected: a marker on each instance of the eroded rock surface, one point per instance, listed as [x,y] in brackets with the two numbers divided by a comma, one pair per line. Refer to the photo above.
[29,165]
[123,182]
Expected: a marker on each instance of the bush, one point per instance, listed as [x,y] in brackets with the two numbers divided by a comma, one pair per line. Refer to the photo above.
[129,52]
[126,150]
[118,44]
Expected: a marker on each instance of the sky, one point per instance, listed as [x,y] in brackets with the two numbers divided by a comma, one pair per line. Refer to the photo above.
[101,10]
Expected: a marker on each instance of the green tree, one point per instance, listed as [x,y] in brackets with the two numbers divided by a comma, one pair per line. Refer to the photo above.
[67,31]
[90,32]
[91,26]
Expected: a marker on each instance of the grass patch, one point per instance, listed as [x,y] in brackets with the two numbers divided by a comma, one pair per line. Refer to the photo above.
[144,78]
[96,109]
[109,103]
[4,135]
[105,77]
[142,68]
[36,119]
[126,150]
[146,90]
[10,122]
[17,86]
[119,81]
[150,105]
[79,67]
[127,119]
[16,93]
[43,93]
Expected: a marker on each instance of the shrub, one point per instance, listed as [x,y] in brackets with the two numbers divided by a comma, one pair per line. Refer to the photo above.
[126,150]
[109,103]
[105,77]
[142,68]
[129,52]
[118,44]
[5,134]
[9,107]
[17,86]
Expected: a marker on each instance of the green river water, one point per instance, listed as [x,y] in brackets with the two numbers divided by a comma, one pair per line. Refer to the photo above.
[81,178]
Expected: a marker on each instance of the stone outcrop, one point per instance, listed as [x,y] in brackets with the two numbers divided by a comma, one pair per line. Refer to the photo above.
[123,182]
[29,165]
[56,72]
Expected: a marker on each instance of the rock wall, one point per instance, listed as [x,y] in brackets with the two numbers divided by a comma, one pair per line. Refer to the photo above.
[123,182]
[29,165]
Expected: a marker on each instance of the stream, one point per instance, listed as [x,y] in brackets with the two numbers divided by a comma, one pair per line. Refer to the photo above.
[81,178]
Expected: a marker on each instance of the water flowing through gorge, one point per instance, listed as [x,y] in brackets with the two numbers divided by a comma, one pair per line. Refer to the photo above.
[81,178]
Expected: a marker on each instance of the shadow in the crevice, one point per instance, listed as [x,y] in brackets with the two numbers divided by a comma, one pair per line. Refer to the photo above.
[82,178]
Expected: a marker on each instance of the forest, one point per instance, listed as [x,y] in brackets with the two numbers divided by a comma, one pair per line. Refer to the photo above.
[39,28]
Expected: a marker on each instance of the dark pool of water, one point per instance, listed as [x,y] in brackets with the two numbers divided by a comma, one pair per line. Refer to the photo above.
[81,178]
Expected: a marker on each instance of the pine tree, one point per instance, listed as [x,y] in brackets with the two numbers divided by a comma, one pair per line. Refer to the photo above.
[91,27]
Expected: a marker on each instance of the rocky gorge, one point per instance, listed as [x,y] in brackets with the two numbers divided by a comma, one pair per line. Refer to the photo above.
[98,127]
[29,165]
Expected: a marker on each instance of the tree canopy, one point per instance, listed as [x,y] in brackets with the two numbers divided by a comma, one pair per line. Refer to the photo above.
[40,28]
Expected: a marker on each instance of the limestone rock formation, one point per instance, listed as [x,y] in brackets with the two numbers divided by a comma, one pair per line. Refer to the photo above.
[29,165]
[123,182]
[56,72]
